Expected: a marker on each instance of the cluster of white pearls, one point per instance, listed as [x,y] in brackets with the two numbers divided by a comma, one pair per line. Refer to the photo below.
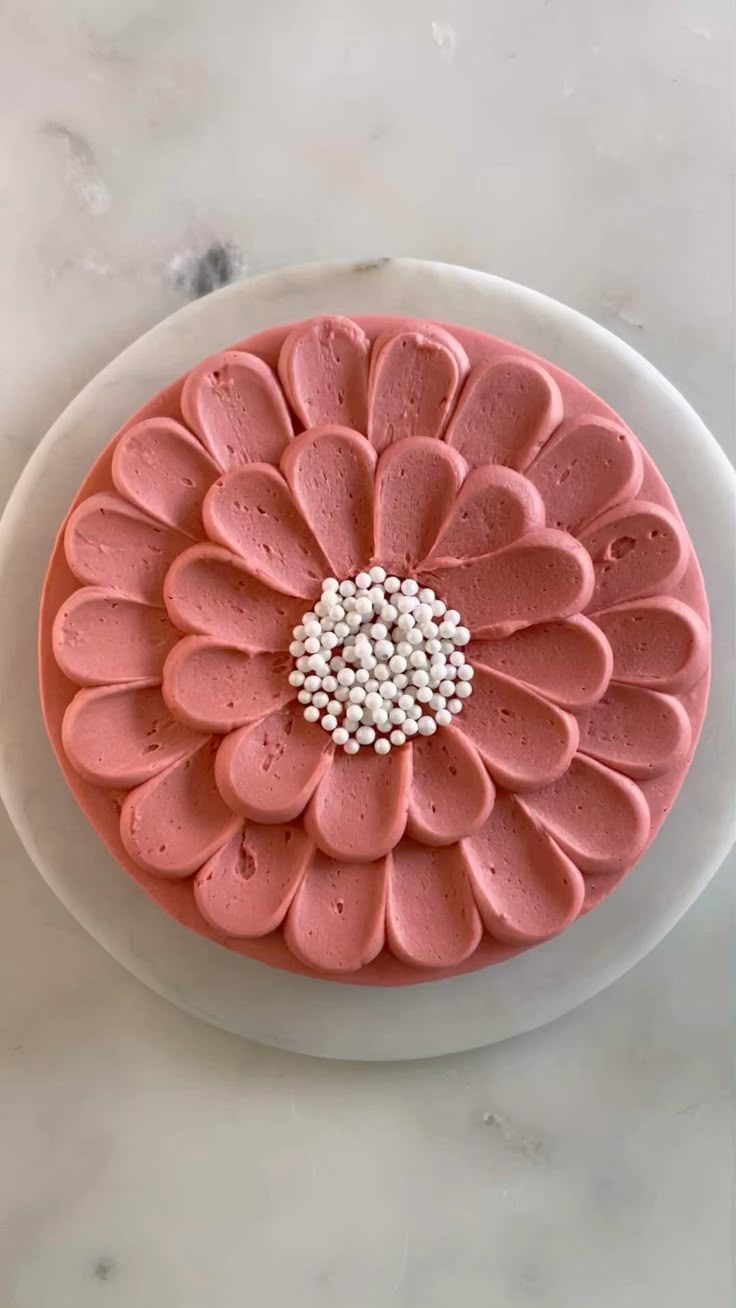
[379,660]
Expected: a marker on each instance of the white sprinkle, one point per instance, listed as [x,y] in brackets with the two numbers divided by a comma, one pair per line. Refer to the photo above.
[391,585]
[311,714]
[456,659]
[388,690]
[378,574]
[431,645]
[410,727]
[400,680]
[330,583]
[341,630]
[351,747]
[299,633]
[329,640]
[397,738]
[312,683]
[389,613]
[420,677]
[341,694]
[465,672]
[312,645]
[304,697]
[373,700]
[340,736]
[365,735]
[426,595]
[363,580]
[312,627]
[409,586]
[346,677]
[455,705]
[406,702]
[462,636]
[414,636]
[463,689]
[447,630]
[424,694]
[334,708]
[443,717]
[382,746]
[329,722]
[418,660]
[363,606]
[397,663]
[296,678]
[437,702]
[320,700]
[329,683]
[362,676]
[296,648]
[303,664]
[397,716]
[446,688]
[430,631]
[382,673]
[346,588]
[427,726]
[404,649]
[422,614]
[354,713]
[384,649]
[438,608]
[407,604]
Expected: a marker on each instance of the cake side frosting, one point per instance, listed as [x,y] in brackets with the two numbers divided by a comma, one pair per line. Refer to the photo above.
[512,794]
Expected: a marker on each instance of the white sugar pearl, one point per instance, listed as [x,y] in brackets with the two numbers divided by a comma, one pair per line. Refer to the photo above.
[363,606]
[346,588]
[329,640]
[397,738]
[427,726]
[362,676]
[391,585]
[431,645]
[341,630]
[351,747]
[346,677]
[407,604]
[368,662]
[405,622]
[410,728]
[446,646]
[354,713]
[352,619]
[462,636]
[371,686]
[414,636]
[337,613]
[363,580]
[337,664]
[356,695]
[406,702]
[373,700]
[424,694]
[463,689]
[420,678]
[330,583]
[365,735]
[404,649]
[422,614]
[304,697]
[452,615]
[389,613]
[296,648]
[409,586]
[456,659]
[312,683]
[303,664]
[397,663]
[384,649]
[465,672]
[446,688]
[382,746]
[378,574]
[418,660]
[320,700]
[312,627]
[430,631]
[317,664]
[340,736]
[388,690]
[382,674]
[380,718]
[311,714]
[400,680]
[426,595]
[321,609]
[397,716]
[379,631]
[312,645]
[415,712]
[437,702]
[443,718]
[377,594]
[447,630]
[341,694]
[438,608]
[334,707]
[296,678]
[328,722]
[455,705]
[329,683]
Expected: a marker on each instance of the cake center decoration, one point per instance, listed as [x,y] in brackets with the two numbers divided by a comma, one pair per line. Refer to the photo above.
[380,659]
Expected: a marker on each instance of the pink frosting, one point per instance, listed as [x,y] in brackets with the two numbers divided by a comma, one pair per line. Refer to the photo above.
[202,535]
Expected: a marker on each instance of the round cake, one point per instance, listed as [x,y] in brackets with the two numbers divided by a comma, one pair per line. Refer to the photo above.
[375,648]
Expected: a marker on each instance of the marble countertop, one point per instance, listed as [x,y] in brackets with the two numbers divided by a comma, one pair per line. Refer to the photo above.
[151,150]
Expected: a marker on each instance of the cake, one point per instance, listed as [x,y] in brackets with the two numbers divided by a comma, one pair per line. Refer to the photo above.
[375,649]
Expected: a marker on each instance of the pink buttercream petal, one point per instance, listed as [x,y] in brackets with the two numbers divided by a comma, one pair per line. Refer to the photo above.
[109,543]
[359,809]
[216,688]
[569,662]
[658,643]
[268,770]
[417,480]
[415,378]
[525,741]
[639,732]
[546,575]
[637,549]
[210,592]
[162,469]
[494,508]
[246,888]
[599,818]
[589,465]
[506,412]
[323,367]
[172,824]
[100,638]
[330,472]
[122,735]
[451,793]
[337,920]
[252,513]
[235,405]
[525,887]
[431,917]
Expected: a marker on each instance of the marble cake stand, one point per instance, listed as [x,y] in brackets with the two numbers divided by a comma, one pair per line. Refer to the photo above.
[322,1017]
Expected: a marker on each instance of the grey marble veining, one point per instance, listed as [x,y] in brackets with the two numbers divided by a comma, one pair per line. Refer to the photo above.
[150,153]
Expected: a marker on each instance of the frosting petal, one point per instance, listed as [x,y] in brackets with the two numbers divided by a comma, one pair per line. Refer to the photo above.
[359,809]
[173,823]
[330,472]
[451,793]
[162,469]
[323,367]
[415,377]
[109,543]
[495,507]
[506,412]
[417,480]
[337,920]
[252,513]
[100,638]
[589,465]
[639,732]
[525,741]
[658,643]
[545,575]
[122,735]
[211,593]
[246,888]
[569,662]
[268,770]
[599,818]
[636,550]
[431,917]
[526,889]
[216,688]
[235,405]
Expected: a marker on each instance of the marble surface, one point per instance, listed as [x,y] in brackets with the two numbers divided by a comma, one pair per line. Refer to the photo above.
[149,152]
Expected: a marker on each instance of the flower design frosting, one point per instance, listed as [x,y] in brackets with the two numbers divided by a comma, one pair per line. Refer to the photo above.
[388,449]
